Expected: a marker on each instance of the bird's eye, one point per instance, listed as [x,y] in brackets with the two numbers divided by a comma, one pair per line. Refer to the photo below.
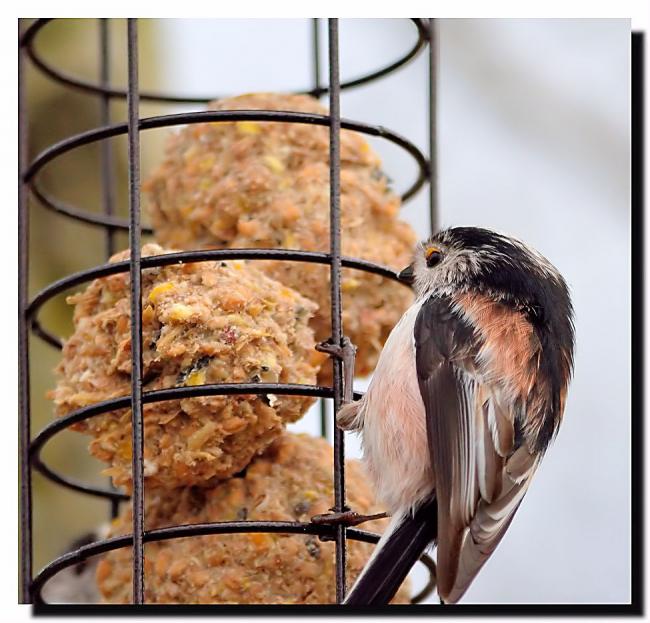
[433,256]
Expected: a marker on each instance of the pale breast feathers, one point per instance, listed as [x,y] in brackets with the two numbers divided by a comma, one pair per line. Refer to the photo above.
[394,429]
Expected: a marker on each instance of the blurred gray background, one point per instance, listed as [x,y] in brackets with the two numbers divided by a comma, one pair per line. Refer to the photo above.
[534,136]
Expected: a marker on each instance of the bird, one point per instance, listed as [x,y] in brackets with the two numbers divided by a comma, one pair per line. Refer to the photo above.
[467,395]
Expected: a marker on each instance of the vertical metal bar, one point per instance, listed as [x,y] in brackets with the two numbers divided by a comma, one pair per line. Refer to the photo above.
[316,56]
[136,313]
[316,89]
[335,279]
[26,550]
[433,126]
[108,178]
[323,418]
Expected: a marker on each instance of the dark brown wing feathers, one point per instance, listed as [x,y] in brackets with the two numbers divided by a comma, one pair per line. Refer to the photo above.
[481,469]
[439,337]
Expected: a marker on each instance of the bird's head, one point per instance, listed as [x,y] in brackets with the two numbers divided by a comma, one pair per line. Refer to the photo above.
[472,259]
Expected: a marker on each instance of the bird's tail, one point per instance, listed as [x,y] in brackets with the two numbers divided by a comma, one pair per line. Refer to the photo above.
[406,538]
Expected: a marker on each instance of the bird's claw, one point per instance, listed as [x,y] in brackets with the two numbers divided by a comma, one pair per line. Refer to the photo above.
[346,353]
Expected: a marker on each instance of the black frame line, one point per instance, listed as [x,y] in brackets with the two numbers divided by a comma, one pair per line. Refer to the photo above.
[30,586]
[30,449]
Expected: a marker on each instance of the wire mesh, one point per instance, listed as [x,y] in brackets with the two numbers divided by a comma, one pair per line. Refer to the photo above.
[337,346]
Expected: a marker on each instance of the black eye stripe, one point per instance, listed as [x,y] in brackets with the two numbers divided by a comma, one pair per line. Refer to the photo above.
[433,258]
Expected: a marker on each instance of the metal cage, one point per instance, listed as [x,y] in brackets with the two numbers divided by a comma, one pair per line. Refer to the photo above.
[30,447]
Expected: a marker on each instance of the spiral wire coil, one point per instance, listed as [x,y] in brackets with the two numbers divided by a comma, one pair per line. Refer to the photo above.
[30,448]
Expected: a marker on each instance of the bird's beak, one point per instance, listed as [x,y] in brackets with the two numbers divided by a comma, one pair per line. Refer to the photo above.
[407,275]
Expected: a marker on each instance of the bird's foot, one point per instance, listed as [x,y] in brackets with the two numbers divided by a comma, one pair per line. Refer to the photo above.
[346,353]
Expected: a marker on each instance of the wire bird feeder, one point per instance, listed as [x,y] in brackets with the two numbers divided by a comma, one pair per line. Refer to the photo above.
[30,448]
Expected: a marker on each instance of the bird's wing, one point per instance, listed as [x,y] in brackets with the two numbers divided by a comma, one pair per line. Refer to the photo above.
[481,472]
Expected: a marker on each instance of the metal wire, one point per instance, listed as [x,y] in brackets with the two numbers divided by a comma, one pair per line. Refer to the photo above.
[335,292]
[108,177]
[91,136]
[315,34]
[202,529]
[181,257]
[315,42]
[29,38]
[172,393]
[30,452]
[135,270]
[23,348]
